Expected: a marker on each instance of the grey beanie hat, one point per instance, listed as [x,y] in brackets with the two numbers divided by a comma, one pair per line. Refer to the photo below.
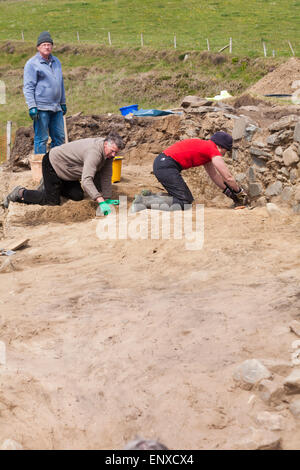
[44,37]
[222,139]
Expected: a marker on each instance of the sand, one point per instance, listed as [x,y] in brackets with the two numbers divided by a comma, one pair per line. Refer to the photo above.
[109,339]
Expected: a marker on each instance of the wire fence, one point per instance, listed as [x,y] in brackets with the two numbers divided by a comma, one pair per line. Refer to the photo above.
[287,45]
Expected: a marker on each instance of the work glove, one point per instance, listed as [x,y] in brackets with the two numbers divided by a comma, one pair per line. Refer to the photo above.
[115,202]
[104,208]
[33,113]
[240,197]
[64,108]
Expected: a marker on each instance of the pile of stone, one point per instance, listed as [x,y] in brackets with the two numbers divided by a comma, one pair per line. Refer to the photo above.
[265,157]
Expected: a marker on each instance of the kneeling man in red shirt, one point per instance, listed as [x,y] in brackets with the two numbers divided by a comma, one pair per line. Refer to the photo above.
[185,154]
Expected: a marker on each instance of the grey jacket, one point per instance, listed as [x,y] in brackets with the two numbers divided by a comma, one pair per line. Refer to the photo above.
[43,83]
[84,160]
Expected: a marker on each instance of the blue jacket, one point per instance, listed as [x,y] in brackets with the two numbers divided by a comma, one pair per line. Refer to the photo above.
[43,83]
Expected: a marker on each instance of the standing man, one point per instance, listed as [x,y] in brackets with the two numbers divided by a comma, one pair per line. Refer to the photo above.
[190,153]
[45,95]
[86,160]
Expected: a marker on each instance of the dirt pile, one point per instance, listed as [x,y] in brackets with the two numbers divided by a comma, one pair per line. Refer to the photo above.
[280,80]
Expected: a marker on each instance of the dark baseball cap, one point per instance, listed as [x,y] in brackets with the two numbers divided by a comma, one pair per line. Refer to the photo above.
[222,139]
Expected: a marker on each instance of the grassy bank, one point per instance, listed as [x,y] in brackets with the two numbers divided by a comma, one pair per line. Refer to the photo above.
[193,22]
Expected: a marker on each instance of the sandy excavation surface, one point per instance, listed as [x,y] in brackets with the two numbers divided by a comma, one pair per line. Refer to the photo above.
[110,339]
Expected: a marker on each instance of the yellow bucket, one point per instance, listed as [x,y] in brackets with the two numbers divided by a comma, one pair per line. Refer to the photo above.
[116,169]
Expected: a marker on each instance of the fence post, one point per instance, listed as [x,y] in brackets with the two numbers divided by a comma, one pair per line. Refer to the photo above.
[291,47]
[142,40]
[78,37]
[23,36]
[8,140]
[175,44]
[265,49]
[230,45]
[109,39]
[207,41]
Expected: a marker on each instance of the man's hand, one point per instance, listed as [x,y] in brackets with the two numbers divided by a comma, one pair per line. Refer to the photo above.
[34,114]
[103,208]
[240,198]
[64,108]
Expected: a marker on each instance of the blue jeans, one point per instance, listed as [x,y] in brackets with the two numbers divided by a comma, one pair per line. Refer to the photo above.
[48,123]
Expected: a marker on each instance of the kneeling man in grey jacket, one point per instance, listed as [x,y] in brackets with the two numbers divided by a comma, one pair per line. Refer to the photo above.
[88,161]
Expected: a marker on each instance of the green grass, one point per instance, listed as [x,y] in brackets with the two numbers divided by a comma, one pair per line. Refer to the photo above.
[247,22]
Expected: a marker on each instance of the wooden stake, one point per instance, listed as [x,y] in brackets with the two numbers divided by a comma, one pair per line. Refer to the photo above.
[230,45]
[8,140]
[109,38]
[273,53]
[265,49]
[66,130]
[78,36]
[175,44]
[207,41]
[22,36]
[223,48]
[291,47]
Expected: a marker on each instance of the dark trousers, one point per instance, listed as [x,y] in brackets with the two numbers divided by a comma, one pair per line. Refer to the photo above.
[54,186]
[168,173]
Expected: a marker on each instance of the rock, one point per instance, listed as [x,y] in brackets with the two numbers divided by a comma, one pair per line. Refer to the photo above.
[271,391]
[278,367]
[284,122]
[274,189]
[295,85]
[270,421]
[295,327]
[295,408]
[290,156]
[293,175]
[252,174]
[272,209]
[235,155]
[259,440]
[250,373]
[261,202]
[250,130]
[255,189]
[258,152]
[258,162]
[257,143]
[297,132]
[240,177]
[10,444]
[278,137]
[205,109]
[292,382]
[287,194]
[250,108]
[239,128]
[285,171]
[297,193]
[296,208]
[279,151]
[194,101]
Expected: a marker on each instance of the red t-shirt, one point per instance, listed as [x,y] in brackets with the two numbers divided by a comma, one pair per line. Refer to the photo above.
[192,152]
